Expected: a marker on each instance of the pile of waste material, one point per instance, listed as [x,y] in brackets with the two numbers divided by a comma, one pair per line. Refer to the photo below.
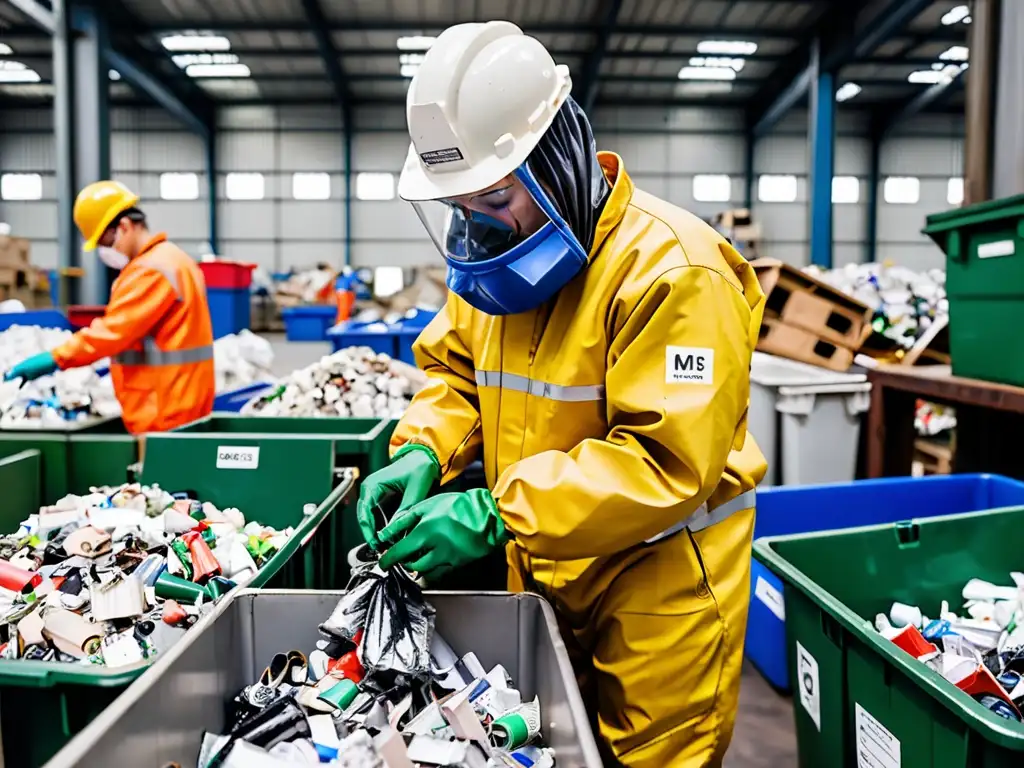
[241,359]
[933,418]
[355,381]
[381,689]
[981,653]
[906,302]
[310,286]
[116,576]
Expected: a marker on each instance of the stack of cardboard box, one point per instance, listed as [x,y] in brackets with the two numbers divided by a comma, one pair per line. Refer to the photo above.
[740,229]
[808,320]
[18,278]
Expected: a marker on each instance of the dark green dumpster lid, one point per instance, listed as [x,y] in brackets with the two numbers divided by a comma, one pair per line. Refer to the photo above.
[973,215]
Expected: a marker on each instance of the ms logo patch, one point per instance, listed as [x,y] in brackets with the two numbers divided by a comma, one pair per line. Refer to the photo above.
[689,365]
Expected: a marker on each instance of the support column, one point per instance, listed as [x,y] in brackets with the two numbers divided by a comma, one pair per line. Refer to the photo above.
[978,150]
[874,182]
[210,145]
[821,132]
[348,127]
[82,127]
[1008,136]
[748,170]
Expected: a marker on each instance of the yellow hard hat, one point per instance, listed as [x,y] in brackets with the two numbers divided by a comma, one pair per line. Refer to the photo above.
[99,204]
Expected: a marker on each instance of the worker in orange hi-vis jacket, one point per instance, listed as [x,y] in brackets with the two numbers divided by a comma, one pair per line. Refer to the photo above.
[156,329]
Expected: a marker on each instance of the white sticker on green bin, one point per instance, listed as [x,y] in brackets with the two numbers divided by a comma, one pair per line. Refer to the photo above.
[807,681]
[876,746]
[996,249]
[771,597]
[238,457]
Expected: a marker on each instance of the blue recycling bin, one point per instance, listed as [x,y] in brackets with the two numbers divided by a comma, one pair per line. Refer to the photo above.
[308,323]
[44,318]
[381,338]
[786,510]
[233,400]
[229,310]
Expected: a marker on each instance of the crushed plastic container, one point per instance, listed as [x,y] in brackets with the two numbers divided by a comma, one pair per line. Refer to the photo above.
[229,648]
[856,692]
[788,510]
[806,420]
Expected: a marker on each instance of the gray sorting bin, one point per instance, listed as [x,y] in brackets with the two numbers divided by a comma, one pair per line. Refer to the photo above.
[160,719]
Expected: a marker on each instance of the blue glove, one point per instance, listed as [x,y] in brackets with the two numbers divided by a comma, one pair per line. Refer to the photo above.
[42,364]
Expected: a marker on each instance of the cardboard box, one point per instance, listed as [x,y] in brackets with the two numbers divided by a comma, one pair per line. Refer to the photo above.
[778,338]
[802,301]
[15,252]
[737,225]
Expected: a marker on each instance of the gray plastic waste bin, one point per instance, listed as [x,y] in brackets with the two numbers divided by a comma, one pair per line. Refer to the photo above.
[806,420]
[160,720]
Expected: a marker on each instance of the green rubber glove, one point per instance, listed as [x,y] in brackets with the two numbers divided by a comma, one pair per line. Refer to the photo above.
[412,473]
[42,364]
[444,532]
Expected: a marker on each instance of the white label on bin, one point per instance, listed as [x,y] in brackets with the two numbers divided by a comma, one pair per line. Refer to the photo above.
[771,597]
[996,249]
[876,746]
[689,365]
[238,457]
[807,680]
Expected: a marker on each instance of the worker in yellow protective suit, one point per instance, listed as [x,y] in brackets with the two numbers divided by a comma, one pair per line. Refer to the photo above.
[595,350]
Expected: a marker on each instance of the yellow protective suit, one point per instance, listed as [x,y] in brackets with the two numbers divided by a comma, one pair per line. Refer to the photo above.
[606,418]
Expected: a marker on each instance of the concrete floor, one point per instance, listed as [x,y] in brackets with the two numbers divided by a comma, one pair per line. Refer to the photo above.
[764,736]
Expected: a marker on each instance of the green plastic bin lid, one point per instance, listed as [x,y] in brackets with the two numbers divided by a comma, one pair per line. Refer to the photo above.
[974,215]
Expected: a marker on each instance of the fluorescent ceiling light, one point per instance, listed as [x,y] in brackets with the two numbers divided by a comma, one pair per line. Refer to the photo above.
[195,42]
[217,70]
[187,59]
[929,76]
[415,43]
[717,61]
[955,53]
[956,15]
[701,88]
[5,49]
[706,73]
[16,72]
[113,74]
[727,47]
[847,91]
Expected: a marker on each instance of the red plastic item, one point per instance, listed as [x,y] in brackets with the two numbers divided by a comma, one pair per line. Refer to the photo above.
[981,682]
[912,641]
[82,315]
[204,564]
[227,274]
[18,579]
[347,666]
[173,613]
[346,301]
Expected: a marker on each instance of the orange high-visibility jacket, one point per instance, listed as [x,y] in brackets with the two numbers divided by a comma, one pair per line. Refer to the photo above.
[157,332]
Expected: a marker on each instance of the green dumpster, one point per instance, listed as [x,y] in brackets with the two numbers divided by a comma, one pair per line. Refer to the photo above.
[854,692]
[95,452]
[984,246]
[298,458]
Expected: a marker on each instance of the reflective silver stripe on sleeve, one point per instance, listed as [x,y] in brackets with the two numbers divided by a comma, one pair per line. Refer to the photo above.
[702,519]
[582,393]
[151,354]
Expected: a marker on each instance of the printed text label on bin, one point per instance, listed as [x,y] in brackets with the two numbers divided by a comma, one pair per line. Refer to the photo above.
[771,597]
[807,682]
[238,457]
[876,746]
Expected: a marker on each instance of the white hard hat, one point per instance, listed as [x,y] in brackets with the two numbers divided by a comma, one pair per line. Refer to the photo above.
[481,100]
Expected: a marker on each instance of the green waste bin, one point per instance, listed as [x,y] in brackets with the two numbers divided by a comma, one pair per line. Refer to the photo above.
[984,245]
[298,459]
[82,454]
[856,692]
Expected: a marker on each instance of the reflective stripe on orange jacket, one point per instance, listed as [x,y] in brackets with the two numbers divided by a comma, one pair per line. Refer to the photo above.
[157,332]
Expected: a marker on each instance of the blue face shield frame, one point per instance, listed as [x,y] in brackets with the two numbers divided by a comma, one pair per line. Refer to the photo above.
[499,273]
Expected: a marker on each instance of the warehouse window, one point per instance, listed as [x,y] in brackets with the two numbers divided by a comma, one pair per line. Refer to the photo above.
[955,191]
[179,186]
[845,189]
[21,186]
[244,186]
[776,189]
[311,186]
[375,186]
[902,190]
[712,188]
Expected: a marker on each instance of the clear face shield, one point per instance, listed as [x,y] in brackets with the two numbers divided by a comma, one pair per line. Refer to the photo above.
[479,228]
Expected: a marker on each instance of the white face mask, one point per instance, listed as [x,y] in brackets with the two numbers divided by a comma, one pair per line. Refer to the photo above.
[112,258]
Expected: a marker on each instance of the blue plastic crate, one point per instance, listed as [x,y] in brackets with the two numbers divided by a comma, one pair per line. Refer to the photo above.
[44,318]
[359,335]
[229,310]
[805,509]
[308,323]
[234,400]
